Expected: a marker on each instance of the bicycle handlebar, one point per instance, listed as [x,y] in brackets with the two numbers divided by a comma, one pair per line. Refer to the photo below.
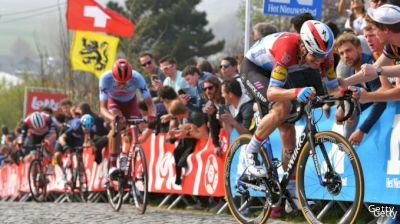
[347,97]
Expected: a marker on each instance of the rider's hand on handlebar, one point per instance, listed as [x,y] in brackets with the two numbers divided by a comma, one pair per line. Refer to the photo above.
[304,94]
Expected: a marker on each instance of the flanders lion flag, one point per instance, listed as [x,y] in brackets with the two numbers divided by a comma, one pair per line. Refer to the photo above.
[93,52]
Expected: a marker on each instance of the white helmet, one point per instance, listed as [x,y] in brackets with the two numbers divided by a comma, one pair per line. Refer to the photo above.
[38,120]
[317,37]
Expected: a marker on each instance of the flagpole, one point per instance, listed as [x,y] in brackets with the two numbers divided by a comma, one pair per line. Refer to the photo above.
[247,27]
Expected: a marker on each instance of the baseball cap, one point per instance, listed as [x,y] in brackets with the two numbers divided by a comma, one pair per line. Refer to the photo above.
[385,14]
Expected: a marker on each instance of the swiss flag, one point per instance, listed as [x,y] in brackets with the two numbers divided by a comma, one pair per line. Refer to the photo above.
[90,16]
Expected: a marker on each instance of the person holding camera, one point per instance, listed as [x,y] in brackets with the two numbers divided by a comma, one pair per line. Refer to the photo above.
[239,114]
[195,78]
[149,65]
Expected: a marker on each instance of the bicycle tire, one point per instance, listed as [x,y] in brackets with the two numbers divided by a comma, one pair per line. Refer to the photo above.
[115,192]
[69,185]
[37,181]
[243,205]
[343,197]
[80,181]
[139,176]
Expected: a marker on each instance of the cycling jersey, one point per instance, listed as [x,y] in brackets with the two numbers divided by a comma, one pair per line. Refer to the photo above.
[108,87]
[278,53]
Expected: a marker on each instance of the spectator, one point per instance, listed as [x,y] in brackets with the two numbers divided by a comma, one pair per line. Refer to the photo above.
[385,21]
[204,66]
[229,71]
[297,21]
[157,126]
[167,94]
[65,106]
[212,93]
[4,132]
[373,4]
[175,79]
[192,127]
[195,78]
[101,131]
[261,30]
[349,48]
[239,114]
[151,68]
[355,16]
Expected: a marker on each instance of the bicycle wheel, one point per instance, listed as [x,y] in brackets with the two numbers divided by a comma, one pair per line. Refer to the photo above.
[115,192]
[68,186]
[37,181]
[341,198]
[139,186]
[80,182]
[246,205]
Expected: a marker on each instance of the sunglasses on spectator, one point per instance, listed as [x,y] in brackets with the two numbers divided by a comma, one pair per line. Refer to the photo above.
[208,88]
[146,63]
[225,66]
[376,1]
[167,66]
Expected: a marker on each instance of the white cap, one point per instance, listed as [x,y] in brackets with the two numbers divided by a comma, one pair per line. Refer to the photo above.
[385,14]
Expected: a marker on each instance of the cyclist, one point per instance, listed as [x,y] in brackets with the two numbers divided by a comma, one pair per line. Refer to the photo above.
[267,69]
[79,132]
[39,127]
[118,99]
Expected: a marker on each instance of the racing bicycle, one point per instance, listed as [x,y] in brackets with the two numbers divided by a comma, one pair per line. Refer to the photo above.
[37,173]
[134,176]
[329,176]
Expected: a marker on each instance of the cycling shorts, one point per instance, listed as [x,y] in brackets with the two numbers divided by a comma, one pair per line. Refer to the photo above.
[128,109]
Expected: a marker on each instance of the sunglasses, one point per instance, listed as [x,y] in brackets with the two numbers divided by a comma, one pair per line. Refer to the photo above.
[167,66]
[146,63]
[208,88]
[376,1]
[225,66]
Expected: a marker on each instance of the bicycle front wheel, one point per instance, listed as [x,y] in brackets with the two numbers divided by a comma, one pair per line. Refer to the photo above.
[139,185]
[337,196]
[246,204]
[37,181]
[80,181]
[115,192]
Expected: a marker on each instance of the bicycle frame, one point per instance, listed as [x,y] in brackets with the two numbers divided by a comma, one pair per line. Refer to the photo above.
[307,135]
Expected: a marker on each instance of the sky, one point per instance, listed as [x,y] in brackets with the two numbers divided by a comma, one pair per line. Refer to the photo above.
[37,21]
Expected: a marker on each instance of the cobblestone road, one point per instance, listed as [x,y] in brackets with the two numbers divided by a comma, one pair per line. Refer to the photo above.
[43,213]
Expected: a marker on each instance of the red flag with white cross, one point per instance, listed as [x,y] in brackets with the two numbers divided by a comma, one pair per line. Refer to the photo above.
[90,16]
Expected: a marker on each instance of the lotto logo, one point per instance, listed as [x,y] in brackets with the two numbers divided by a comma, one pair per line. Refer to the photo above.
[300,2]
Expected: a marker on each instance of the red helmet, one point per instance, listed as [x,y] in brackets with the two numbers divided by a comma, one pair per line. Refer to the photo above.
[121,70]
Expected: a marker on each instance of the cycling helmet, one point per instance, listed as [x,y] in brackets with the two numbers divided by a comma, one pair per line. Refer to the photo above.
[87,121]
[317,38]
[121,70]
[38,120]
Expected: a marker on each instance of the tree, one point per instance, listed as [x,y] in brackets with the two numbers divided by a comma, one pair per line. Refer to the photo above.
[165,27]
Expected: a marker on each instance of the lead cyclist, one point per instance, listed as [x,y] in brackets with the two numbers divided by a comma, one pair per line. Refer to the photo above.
[267,69]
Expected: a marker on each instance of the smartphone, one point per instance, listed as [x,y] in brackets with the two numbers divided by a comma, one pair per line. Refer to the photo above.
[154,78]
[181,92]
[222,109]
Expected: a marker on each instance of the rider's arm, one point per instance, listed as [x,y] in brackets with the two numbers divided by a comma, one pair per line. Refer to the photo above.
[104,111]
[276,94]
[342,8]
[150,106]
[62,140]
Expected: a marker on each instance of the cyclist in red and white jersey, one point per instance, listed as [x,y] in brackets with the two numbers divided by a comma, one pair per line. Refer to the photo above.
[118,98]
[37,128]
[267,70]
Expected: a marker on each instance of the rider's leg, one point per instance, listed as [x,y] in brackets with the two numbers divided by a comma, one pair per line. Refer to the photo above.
[113,143]
[268,124]
[288,137]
